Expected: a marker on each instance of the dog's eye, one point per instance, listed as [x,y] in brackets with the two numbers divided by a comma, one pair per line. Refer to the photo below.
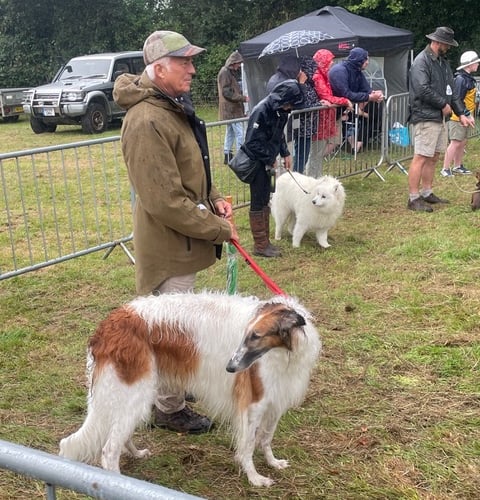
[254,336]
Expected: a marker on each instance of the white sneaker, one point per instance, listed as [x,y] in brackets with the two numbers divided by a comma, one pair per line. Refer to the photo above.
[446,172]
[461,170]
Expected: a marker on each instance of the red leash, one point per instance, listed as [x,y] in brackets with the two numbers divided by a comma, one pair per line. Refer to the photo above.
[266,279]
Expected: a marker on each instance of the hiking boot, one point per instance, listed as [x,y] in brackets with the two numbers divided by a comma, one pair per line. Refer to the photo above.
[461,170]
[433,198]
[184,421]
[446,172]
[418,205]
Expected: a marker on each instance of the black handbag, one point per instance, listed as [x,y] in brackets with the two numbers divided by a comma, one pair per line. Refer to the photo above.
[243,167]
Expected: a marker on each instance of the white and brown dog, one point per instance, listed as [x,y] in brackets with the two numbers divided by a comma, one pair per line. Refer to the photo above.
[247,361]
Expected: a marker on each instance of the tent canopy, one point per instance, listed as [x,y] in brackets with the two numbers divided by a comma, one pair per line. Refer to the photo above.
[347,31]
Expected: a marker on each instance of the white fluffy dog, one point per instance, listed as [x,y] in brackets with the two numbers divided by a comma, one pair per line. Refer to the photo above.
[316,211]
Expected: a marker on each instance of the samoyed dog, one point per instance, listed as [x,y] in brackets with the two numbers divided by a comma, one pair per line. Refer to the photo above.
[317,209]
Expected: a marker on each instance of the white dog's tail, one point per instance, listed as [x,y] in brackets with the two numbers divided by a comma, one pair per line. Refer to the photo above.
[86,444]
[114,409]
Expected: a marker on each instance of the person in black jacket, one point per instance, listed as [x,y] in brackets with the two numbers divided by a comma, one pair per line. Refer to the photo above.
[288,69]
[264,141]
[431,98]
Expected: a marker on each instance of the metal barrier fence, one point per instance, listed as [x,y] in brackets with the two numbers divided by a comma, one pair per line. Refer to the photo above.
[354,145]
[93,481]
[398,143]
[398,133]
[61,202]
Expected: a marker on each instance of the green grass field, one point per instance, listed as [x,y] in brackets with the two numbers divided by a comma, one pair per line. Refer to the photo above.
[393,409]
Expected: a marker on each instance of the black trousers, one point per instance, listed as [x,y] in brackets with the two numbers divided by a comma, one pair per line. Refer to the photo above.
[260,189]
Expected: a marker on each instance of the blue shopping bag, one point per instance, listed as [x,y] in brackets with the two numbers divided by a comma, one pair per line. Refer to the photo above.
[399,135]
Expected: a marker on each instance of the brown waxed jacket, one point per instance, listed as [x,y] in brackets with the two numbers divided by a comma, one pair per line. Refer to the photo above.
[175,229]
[230,97]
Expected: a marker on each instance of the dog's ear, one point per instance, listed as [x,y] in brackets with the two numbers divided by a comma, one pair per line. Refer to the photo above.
[290,319]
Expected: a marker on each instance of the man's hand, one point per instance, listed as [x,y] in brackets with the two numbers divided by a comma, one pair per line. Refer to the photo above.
[467,121]
[223,209]
[302,77]
[234,230]
[446,110]
[376,96]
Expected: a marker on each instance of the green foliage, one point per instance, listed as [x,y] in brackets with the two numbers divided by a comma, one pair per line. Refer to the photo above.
[37,36]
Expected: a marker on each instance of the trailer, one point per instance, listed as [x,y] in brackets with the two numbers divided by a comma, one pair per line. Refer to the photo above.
[11,103]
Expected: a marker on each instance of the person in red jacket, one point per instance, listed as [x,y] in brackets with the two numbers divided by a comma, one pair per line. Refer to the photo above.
[328,129]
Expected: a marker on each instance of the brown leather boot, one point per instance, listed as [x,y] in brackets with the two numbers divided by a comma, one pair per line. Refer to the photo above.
[261,242]
[266,215]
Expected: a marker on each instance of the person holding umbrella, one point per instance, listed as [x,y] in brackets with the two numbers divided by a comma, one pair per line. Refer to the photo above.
[289,68]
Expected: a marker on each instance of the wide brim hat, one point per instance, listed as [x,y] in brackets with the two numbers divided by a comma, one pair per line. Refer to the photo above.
[467,58]
[443,35]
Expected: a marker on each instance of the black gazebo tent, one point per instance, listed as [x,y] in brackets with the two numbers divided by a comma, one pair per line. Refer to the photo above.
[347,30]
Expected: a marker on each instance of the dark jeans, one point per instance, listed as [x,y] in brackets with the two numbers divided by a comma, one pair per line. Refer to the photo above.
[260,189]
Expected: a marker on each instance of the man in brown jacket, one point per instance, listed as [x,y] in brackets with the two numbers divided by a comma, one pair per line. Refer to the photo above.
[180,219]
[230,103]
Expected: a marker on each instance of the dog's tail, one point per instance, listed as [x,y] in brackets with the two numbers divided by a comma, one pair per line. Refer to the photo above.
[86,444]
[114,410]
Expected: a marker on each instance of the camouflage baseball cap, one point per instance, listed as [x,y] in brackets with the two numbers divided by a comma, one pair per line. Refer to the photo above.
[168,43]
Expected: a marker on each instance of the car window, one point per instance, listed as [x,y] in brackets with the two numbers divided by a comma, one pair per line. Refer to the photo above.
[138,65]
[122,67]
[85,68]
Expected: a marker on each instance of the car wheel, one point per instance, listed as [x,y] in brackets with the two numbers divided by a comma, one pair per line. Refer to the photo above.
[50,127]
[95,119]
[40,127]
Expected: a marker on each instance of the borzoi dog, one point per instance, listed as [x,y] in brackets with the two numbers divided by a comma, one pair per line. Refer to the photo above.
[246,360]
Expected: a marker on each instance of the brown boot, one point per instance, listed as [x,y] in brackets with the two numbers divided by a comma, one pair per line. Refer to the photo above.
[266,215]
[261,242]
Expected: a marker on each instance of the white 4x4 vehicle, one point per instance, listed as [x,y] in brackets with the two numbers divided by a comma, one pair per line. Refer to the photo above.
[81,93]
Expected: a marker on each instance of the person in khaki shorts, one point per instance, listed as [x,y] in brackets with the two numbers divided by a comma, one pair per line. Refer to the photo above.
[466,88]
[432,99]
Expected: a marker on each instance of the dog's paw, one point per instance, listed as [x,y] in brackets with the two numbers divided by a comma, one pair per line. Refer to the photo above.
[279,464]
[143,453]
[259,480]
[140,453]
[325,245]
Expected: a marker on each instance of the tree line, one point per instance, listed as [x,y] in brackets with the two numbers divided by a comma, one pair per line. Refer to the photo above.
[38,36]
